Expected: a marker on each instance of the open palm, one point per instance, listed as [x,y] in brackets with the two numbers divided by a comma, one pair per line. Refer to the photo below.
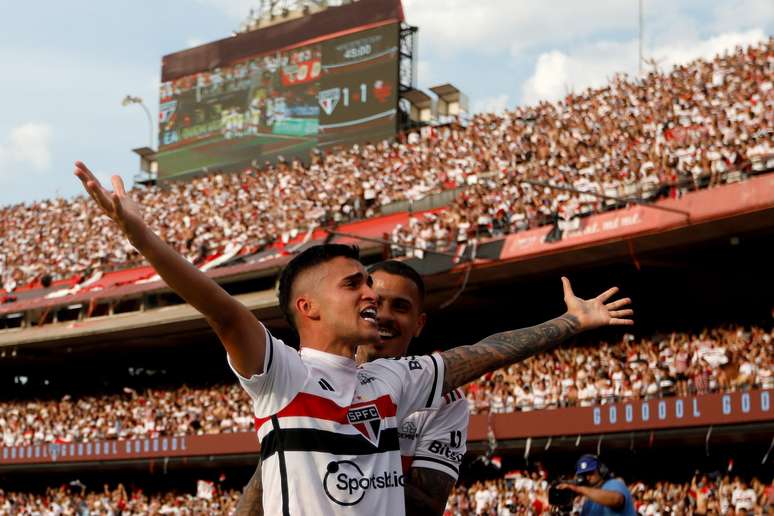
[116,204]
[596,312]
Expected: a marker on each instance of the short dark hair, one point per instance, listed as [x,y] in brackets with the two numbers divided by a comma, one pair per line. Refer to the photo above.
[399,268]
[311,257]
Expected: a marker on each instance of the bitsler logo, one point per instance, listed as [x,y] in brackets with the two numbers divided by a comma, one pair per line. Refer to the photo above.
[345,483]
[367,421]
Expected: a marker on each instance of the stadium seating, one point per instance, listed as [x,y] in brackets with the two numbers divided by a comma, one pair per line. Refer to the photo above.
[700,125]
[720,359]
[74,498]
[527,493]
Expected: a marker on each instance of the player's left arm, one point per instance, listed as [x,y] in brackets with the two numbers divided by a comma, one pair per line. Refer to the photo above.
[466,363]
[427,491]
[441,445]
[250,503]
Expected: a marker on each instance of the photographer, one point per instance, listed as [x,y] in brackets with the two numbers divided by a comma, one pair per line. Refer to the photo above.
[605,495]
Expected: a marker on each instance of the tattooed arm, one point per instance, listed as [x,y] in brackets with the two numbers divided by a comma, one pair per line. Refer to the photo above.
[426,491]
[250,503]
[466,363]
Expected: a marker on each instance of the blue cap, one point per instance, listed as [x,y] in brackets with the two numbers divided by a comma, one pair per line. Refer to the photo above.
[586,464]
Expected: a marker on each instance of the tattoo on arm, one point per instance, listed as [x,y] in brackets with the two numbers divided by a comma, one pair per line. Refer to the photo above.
[426,491]
[466,363]
[250,503]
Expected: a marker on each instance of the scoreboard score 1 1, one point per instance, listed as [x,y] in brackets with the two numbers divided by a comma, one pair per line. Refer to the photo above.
[337,91]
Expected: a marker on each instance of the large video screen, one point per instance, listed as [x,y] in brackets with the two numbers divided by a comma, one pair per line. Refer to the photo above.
[334,92]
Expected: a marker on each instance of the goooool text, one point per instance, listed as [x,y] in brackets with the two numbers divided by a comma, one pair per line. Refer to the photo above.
[345,483]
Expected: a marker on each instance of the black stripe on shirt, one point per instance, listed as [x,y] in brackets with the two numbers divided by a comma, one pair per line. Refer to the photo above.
[435,381]
[271,351]
[439,461]
[280,449]
[312,440]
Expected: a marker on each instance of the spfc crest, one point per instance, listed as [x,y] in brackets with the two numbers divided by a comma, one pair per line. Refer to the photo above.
[329,99]
[367,421]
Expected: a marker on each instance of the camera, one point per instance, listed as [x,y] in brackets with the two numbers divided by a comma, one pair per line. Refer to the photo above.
[561,500]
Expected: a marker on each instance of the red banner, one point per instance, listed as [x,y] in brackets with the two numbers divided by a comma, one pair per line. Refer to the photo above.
[701,206]
[656,414]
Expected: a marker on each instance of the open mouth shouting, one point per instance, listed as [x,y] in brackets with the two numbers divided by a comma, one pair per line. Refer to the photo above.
[368,314]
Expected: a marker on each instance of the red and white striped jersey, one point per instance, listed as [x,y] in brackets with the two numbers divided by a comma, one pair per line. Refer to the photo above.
[436,439]
[329,429]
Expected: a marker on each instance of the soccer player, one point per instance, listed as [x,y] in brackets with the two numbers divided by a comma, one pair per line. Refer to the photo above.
[329,429]
[432,442]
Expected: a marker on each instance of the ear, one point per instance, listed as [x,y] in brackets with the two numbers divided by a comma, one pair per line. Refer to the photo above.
[307,307]
[421,320]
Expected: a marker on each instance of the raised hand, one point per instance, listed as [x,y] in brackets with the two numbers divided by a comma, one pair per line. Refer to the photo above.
[116,204]
[596,312]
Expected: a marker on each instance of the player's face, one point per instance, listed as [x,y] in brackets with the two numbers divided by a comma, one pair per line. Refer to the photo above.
[348,302]
[400,314]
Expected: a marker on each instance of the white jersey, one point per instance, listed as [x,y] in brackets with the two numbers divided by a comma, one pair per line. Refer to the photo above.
[436,439]
[329,429]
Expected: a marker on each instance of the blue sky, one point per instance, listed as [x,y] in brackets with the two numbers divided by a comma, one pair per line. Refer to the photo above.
[67,65]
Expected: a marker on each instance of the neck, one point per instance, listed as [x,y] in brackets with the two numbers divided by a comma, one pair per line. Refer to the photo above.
[328,345]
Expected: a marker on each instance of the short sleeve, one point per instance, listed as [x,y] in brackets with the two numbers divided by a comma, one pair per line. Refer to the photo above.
[416,382]
[284,374]
[441,442]
[616,485]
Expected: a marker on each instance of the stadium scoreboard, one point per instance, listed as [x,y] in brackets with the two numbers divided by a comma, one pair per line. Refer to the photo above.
[248,104]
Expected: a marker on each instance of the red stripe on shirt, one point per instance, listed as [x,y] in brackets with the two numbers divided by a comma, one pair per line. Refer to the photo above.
[311,405]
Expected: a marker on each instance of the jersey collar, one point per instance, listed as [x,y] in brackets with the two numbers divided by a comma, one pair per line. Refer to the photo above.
[330,358]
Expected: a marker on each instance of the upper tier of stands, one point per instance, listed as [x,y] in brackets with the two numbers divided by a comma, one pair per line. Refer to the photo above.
[700,125]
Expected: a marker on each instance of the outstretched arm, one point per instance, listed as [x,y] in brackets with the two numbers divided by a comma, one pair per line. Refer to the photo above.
[466,363]
[238,329]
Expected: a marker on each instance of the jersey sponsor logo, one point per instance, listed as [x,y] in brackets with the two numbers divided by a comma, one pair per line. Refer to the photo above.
[364,378]
[408,430]
[444,450]
[367,421]
[345,483]
[455,439]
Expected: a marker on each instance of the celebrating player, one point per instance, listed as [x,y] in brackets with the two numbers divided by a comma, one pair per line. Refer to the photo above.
[432,442]
[328,428]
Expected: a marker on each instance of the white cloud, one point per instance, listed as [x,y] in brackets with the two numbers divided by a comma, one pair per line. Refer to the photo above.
[558,73]
[28,145]
[494,104]
[449,26]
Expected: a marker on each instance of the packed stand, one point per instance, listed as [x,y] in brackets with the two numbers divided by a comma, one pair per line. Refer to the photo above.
[702,124]
[721,359]
[73,498]
[523,493]
[152,413]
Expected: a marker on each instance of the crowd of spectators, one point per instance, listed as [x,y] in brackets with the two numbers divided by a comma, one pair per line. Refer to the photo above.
[720,359]
[73,499]
[132,414]
[525,493]
[701,124]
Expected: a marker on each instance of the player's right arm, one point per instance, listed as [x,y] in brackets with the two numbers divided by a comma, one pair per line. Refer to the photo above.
[237,328]
[467,363]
